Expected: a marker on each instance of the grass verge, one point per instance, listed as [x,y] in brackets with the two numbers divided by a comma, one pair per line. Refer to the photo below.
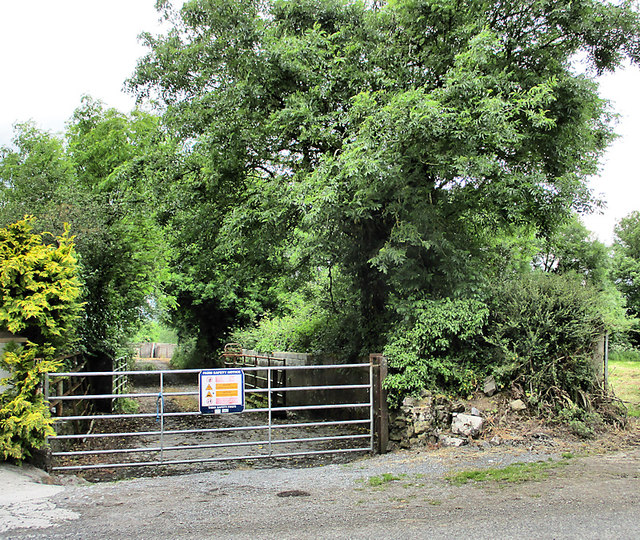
[511,474]
[384,478]
[624,378]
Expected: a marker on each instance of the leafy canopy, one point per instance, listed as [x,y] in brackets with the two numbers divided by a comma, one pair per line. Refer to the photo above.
[400,146]
[103,178]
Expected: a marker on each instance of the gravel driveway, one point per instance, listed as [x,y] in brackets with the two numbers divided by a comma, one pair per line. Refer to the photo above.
[591,497]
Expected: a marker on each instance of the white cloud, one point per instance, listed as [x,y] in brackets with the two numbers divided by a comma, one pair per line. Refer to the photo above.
[54,52]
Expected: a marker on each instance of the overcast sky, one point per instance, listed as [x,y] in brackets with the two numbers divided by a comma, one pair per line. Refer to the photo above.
[53,52]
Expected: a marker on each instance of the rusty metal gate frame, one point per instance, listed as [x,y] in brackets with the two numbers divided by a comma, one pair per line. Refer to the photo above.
[373,441]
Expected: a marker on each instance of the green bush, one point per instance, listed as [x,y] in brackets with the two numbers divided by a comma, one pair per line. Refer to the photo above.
[39,291]
[188,355]
[536,332]
[432,348]
[152,331]
[543,328]
[306,330]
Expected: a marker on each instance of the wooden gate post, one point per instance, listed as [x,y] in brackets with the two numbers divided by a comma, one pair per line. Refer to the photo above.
[380,405]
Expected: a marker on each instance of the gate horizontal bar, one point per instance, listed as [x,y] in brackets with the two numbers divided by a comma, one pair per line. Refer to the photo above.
[197,413]
[278,389]
[111,396]
[210,445]
[248,390]
[208,460]
[209,430]
[310,407]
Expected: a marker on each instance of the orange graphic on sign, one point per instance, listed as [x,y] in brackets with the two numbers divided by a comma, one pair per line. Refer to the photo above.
[227,393]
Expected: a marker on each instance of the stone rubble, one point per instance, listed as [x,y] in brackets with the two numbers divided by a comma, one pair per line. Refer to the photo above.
[467,425]
[517,405]
[433,419]
[490,386]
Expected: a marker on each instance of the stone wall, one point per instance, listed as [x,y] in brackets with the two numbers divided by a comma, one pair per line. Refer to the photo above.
[155,350]
[433,419]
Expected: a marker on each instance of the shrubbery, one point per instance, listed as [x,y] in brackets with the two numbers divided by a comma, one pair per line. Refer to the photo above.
[305,330]
[39,292]
[543,328]
[535,333]
[432,348]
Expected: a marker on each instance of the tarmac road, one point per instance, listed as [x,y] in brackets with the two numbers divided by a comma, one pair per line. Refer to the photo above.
[590,497]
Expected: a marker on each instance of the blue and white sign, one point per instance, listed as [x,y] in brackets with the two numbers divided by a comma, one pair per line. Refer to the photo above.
[221,391]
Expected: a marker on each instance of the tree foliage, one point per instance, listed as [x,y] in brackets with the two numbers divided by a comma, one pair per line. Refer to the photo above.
[103,178]
[572,248]
[39,286]
[625,270]
[626,267]
[400,146]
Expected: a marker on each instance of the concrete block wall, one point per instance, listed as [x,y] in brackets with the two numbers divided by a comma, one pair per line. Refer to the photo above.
[321,377]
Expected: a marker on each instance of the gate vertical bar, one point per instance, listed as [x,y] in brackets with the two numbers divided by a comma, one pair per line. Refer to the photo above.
[59,392]
[46,387]
[161,398]
[269,402]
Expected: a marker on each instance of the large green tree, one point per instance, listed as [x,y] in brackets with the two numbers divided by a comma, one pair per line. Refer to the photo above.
[399,145]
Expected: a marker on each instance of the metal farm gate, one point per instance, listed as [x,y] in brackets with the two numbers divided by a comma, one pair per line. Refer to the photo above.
[292,411]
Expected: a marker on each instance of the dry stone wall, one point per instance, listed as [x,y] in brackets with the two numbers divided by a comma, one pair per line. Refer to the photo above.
[431,420]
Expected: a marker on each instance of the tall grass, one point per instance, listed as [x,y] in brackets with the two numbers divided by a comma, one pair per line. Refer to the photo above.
[624,378]
[624,356]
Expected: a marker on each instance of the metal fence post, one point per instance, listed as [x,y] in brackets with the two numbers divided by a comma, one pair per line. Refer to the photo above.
[161,397]
[381,408]
[269,405]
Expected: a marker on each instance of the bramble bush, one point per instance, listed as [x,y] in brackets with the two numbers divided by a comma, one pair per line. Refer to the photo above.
[39,294]
[542,330]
